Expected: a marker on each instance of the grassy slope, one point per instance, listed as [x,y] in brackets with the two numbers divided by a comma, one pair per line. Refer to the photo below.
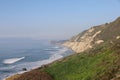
[94,66]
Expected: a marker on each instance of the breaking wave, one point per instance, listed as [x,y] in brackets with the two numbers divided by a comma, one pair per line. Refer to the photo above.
[55,56]
[31,65]
[12,60]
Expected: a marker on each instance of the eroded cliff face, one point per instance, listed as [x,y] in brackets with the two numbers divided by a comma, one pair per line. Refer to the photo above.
[94,36]
[85,41]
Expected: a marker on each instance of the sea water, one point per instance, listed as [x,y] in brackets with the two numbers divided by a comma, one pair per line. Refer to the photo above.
[15,55]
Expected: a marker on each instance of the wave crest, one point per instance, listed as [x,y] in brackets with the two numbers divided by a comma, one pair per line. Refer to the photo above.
[12,60]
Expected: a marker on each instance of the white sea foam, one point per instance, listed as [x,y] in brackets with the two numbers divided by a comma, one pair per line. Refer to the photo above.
[12,60]
[48,49]
[7,68]
[52,48]
[32,65]
[56,47]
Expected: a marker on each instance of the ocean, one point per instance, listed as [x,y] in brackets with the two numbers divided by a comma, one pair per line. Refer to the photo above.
[17,54]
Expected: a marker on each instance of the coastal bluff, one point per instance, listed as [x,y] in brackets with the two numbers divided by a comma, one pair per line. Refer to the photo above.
[94,36]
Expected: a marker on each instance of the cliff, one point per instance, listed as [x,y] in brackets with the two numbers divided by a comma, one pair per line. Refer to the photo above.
[94,36]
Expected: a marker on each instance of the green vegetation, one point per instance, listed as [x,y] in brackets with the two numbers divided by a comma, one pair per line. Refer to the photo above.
[85,66]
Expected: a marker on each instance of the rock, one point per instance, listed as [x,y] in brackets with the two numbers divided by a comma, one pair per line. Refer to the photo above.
[24,69]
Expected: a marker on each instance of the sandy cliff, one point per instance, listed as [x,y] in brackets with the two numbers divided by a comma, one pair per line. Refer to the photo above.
[93,36]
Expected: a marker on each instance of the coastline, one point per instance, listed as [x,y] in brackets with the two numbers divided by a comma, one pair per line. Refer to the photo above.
[49,61]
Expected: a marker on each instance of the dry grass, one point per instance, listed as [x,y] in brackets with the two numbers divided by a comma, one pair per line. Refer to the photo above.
[32,75]
[13,77]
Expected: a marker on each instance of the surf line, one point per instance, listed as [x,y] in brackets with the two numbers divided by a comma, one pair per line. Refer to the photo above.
[12,60]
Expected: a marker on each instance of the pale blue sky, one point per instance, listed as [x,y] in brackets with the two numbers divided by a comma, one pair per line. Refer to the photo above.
[54,19]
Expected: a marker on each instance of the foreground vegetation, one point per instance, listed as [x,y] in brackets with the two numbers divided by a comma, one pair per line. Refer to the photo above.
[103,65]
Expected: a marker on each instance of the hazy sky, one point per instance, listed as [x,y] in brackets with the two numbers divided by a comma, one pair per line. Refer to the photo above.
[54,19]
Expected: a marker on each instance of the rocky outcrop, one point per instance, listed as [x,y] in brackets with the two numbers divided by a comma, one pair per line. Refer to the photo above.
[94,36]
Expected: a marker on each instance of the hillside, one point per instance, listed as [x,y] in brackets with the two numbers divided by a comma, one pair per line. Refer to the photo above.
[94,36]
[98,57]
